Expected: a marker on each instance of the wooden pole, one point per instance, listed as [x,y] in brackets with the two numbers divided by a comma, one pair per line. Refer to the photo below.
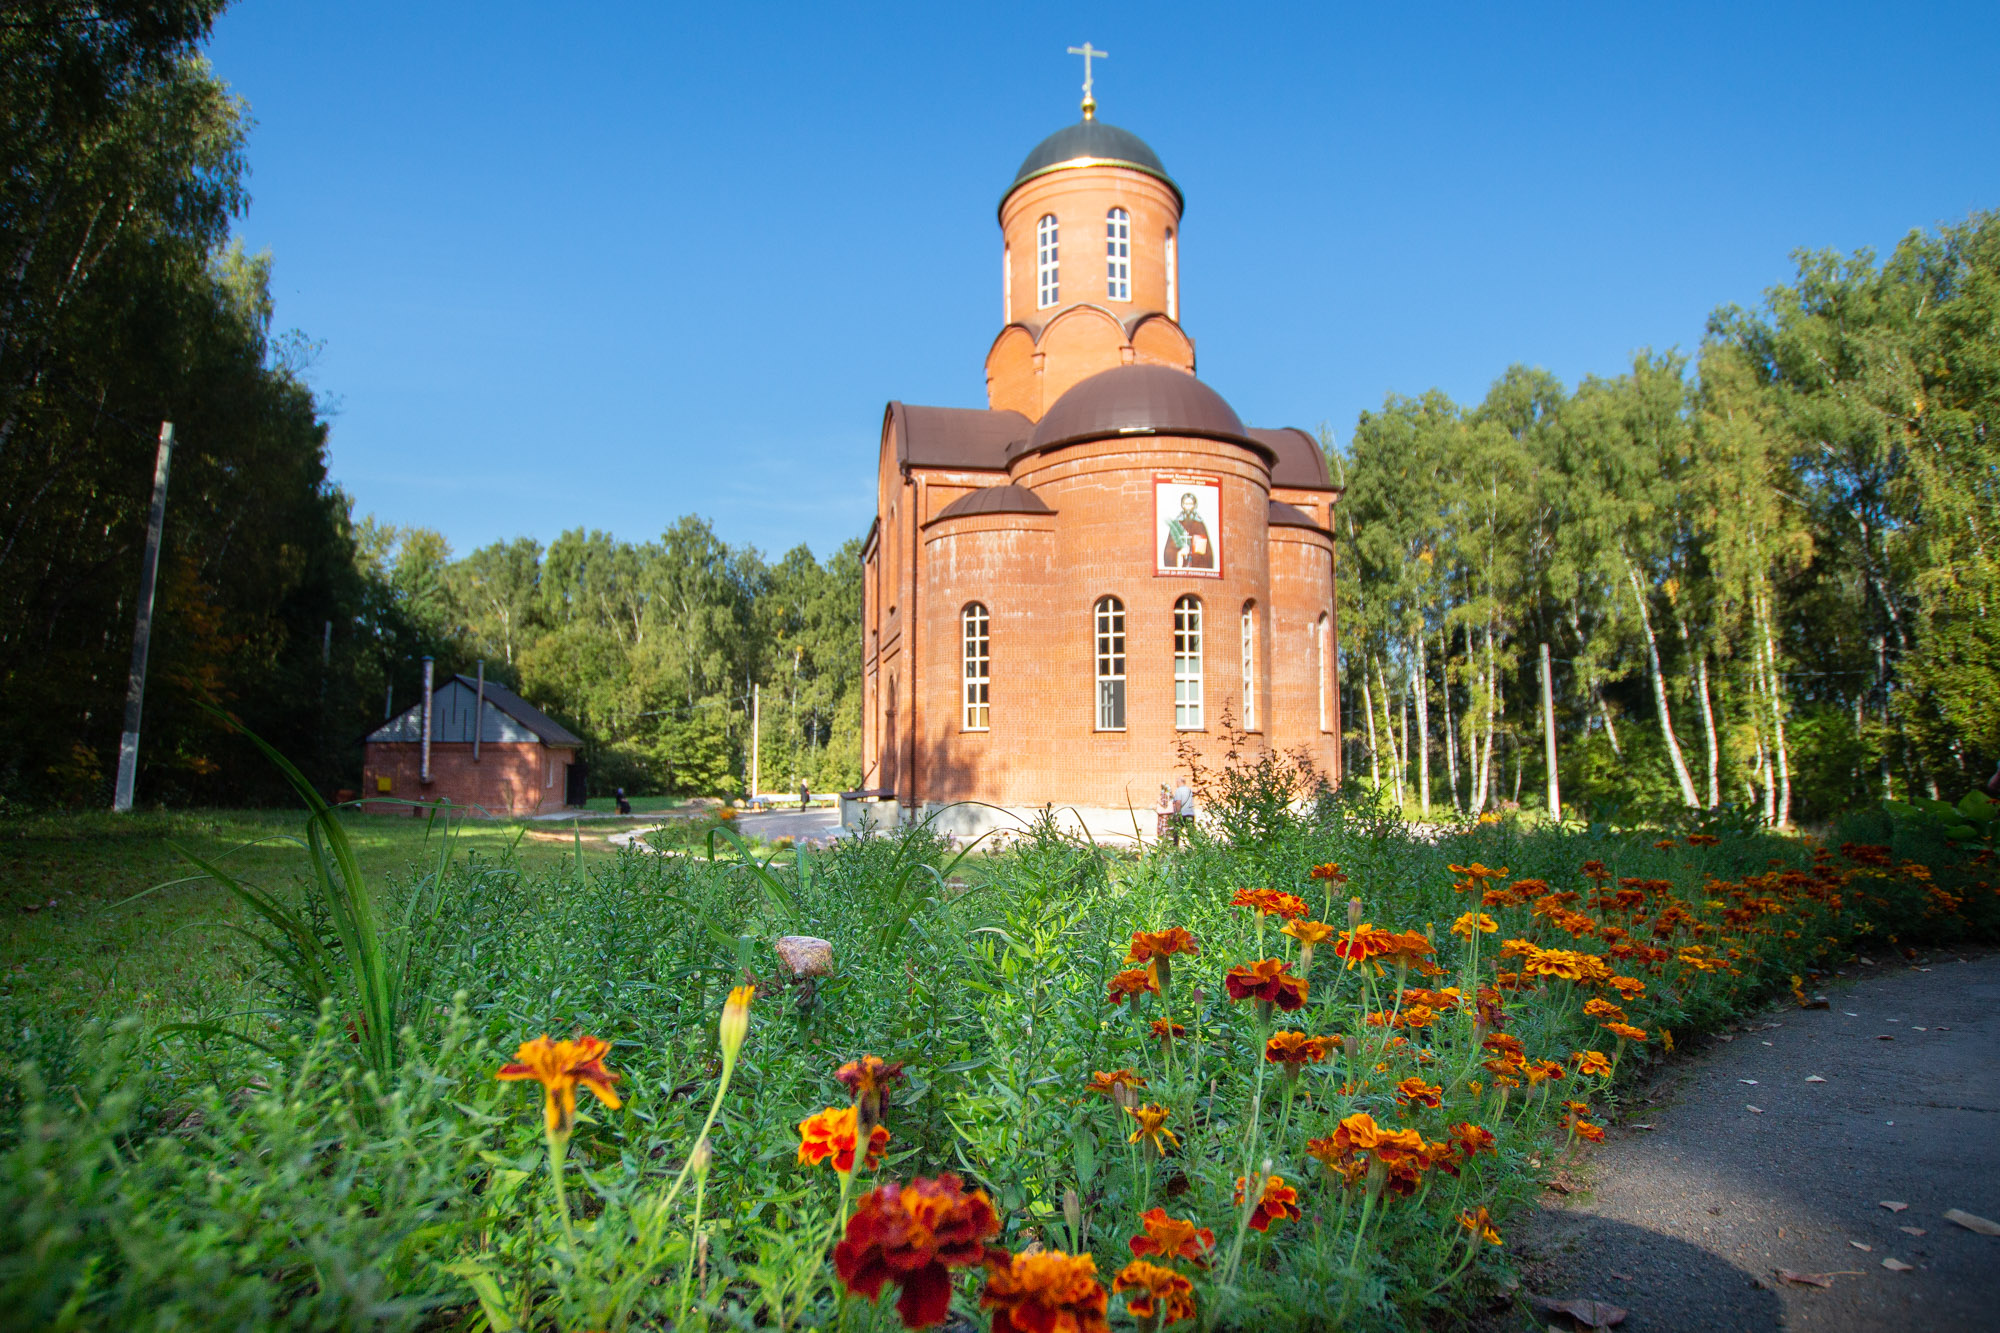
[142,627]
[1549,736]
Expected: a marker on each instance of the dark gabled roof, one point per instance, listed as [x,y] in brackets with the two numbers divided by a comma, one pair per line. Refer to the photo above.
[453,718]
[1137,400]
[995,500]
[534,719]
[1092,143]
[955,437]
[1299,463]
[1291,516]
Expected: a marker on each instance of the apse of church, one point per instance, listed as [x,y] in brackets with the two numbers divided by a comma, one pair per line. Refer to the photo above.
[1105,562]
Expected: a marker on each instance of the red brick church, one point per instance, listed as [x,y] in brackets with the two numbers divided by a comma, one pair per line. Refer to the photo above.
[1105,560]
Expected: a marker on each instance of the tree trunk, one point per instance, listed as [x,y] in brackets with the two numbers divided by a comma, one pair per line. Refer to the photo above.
[1368,708]
[1778,749]
[1423,731]
[1450,735]
[1708,731]
[1660,691]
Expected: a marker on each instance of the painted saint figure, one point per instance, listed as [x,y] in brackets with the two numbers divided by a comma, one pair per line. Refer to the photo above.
[1188,545]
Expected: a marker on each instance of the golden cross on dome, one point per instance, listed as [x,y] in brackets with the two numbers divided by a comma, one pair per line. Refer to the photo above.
[1087,51]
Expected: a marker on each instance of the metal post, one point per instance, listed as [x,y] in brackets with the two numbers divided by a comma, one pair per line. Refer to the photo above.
[1549,736]
[756,734]
[142,627]
[429,667]
[479,711]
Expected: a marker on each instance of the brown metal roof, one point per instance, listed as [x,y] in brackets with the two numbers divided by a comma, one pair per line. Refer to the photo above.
[995,500]
[954,437]
[1299,463]
[1137,400]
[1291,516]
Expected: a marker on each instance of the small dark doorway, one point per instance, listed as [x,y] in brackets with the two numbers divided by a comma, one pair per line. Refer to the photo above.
[573,783]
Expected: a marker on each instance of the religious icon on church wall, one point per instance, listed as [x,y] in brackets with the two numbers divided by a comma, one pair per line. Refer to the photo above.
[1187,524]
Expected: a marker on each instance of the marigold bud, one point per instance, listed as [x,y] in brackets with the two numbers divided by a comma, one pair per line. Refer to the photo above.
[736,1021]
[1073,1214]
[1353,913]
[701,1158]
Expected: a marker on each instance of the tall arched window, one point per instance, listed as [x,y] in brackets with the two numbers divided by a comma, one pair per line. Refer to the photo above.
[1187,663]
[1173,279]
[1118,255]
[976,651]
[1322,650]
[1110,664]
[1047,285]
[1249,666]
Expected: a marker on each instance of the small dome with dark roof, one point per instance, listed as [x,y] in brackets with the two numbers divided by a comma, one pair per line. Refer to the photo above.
[1138,400]
[1092,141]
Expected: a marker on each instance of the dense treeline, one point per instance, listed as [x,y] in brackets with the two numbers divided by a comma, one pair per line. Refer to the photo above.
[1767,578]
[650,651]
[120,306]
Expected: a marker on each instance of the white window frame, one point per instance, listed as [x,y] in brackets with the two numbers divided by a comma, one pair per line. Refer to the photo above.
[976,658]
[1187,664]
[1108,622]
[1048,265]
[1118,255]
[1173,278]
[1249,666]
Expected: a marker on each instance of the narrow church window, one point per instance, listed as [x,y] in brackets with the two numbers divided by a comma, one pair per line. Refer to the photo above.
[978,663]
[1187,664]
[1045,261]
[1320,646]
[1110,664]
[1173,281]
[1118,255]
[1249,666]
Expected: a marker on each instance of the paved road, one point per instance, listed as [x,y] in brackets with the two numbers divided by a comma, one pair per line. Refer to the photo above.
[1686,1224]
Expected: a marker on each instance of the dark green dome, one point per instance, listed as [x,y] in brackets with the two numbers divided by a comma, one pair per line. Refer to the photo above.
[1092,141]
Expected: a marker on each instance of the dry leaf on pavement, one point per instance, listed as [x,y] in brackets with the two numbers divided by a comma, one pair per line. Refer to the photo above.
[1972,1222]
[1896,1265]
[1589,1313]
[1859,1246]
[1893,1206]
[1814,1078]
[1911,1231]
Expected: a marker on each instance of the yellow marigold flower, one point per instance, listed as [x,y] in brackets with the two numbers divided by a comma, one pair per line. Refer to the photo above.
[1155,1291]
[1152,1127]
[1474,921]
[1592,1062]
[559,1066]
[1480,1225]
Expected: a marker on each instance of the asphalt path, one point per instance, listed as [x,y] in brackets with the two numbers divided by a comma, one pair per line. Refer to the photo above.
[1752,1165]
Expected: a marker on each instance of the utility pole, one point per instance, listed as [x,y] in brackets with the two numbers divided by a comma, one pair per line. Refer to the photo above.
[1549,737]
[756,734]
[142,627]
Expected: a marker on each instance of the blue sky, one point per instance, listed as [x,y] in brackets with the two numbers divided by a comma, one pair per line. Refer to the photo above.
[600,265]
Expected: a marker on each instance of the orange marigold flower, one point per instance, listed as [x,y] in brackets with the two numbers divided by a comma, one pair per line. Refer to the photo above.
[1357,1132]
[913,1235]
[1308,932]
[1593,1063]
[1133,981]
[1505,1044]
[1625,1030]
[1161,944]
[1585,1130]
[1628,988]
[1413,1091]
[1702,840]
[1268,979]
[1666,844]
[868,1079]
[1167,1031]
[1271,902]
[1365,943]
[1480,1225]
[1172,1238]
[1278,1202]
[828,1136]
[1155,1290]
[1604,1009]
[1046,1292]
[559,1066]
[1474,921]
[1152,1127]
[1107,1085]
[1295,1048]
[1519,948]
[1417,1016]
[1540,1070]
[1472,1139]
[1329,871]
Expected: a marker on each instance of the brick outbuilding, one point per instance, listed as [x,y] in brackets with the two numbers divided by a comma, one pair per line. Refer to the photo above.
[525,763]
[1104,563]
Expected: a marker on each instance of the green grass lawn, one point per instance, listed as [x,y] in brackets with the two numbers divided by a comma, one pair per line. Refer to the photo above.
[79,935]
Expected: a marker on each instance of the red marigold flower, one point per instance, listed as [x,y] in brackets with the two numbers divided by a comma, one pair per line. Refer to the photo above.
[559,1066]
[1271,902]
[1472,1140]
[1047,1292]
[913,1236]
[1108,1084]
[1295,1048]
[1161,944]
[1268,979]
[1329,871]
[1278,1202]
[1167,1031]
[1702,840]
[867,1079]
[828,1136]
[1155,1290]
[1172,1238]
[1133,981]
[1505,1044]
[1413,1091]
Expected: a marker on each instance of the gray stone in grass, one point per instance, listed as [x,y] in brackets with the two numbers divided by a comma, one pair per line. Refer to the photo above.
[805,956]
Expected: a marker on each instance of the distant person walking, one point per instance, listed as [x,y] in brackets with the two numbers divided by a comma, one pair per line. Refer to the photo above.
[805,794]
[1183,810]
[624,806]
[1163,814]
